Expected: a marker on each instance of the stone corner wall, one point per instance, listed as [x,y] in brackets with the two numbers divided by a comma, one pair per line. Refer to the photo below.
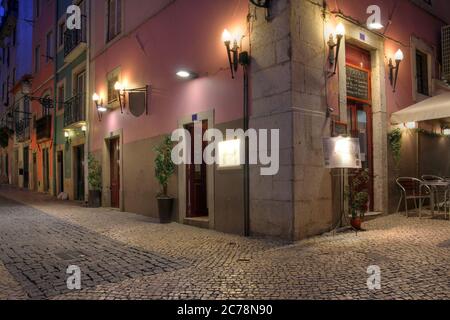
[288,82]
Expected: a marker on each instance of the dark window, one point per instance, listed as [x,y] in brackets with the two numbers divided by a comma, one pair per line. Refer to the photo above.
[7,56]
[422,73]
[14,36]
[62,29]
[61,97]
[49,53]
[114,11]
[37,59]
[37,8]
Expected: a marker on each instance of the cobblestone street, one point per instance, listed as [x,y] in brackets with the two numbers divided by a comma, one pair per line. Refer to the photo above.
[126,256]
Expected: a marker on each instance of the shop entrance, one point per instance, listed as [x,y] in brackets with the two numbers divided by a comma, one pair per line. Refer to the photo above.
[79,172]
[359,110]
[114,158]
[35,173]
[26,167]
[60,168]
[196,177]
[46,169]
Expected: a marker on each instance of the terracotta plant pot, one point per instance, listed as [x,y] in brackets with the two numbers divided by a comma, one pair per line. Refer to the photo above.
[356,223]
[165,206]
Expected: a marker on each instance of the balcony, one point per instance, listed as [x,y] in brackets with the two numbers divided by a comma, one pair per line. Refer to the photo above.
[44,128]
[75,42]
[9,19]
[74,112]
[23,130]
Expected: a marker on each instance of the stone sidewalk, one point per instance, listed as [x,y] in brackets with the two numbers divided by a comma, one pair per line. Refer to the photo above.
[413,255]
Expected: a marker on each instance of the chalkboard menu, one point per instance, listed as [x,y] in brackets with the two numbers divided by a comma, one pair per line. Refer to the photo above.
[358,84]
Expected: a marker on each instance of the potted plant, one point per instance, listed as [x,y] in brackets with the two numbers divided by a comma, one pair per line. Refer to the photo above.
[95,182]
[358,197]
[164,169]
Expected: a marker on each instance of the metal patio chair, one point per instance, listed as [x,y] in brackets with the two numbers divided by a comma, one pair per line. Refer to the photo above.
[413,189]
[439,193]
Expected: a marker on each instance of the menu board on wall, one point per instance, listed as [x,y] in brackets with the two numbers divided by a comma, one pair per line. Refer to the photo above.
[358,84]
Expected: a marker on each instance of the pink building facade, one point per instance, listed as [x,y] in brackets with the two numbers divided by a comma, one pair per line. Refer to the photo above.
[147,46]
[293,89]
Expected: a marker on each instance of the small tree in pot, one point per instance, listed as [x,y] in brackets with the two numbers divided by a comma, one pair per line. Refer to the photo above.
[358,196]
[95,182]
[164,169]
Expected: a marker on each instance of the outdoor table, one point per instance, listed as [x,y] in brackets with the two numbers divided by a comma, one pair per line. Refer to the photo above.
[434,185]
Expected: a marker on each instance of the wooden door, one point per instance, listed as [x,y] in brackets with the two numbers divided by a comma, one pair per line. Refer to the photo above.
[60,157]
[35,173]
[196,182]
[360,122]
[26,168]
[114,156]
[79,173]
[46,169]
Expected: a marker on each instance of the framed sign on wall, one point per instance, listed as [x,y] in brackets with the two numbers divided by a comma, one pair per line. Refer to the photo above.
[358,84]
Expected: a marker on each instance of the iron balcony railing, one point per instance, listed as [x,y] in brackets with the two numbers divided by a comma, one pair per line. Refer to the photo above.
[44,128]
[23,130]
[73,38]
[74,110]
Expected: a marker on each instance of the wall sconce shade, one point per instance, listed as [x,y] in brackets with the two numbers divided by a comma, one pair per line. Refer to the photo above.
[393,76]
[235,57]
[335,47]
[99,106]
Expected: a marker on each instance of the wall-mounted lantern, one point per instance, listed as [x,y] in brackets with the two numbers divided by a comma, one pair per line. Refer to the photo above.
[233,46]
[67,136]
[335,46]
[99,106]
[393,77]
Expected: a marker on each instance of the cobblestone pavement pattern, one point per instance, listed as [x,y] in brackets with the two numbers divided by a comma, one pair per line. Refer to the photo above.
[129,257]
[37,250]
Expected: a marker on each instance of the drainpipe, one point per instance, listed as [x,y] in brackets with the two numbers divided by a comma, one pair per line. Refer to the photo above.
[88,101]
[55,106]
[247,155]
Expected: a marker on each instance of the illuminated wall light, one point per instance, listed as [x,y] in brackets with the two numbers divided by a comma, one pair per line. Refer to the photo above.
[229,153]
[446,132]
[84,128]
[411,125]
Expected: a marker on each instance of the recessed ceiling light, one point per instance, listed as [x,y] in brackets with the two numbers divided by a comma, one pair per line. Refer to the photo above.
[184,74]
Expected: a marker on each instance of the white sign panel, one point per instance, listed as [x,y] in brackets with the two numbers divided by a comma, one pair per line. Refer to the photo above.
[342,153]
[229,153]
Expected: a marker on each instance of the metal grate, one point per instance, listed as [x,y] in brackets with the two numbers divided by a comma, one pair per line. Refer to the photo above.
[446,53]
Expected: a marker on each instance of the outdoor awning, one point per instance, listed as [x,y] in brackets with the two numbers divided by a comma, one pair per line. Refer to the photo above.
[434,108]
